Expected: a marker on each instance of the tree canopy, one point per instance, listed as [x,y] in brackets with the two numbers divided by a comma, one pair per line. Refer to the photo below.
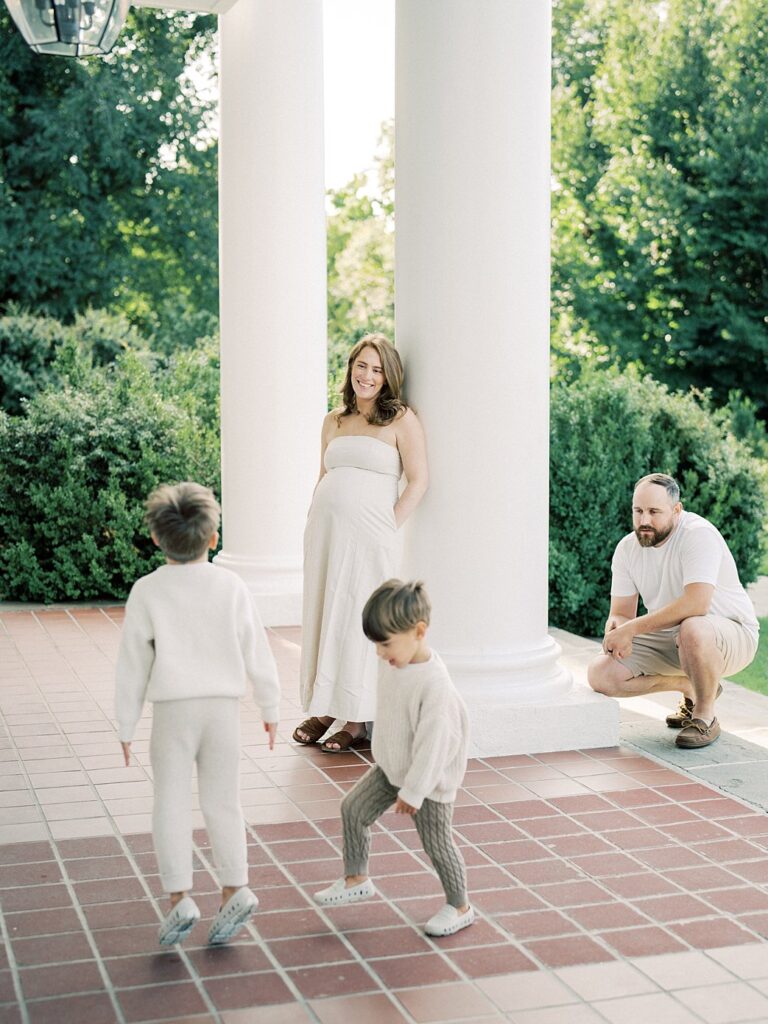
[660,229]
[108,174]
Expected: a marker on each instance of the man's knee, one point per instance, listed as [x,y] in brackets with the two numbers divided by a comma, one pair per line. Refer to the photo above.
[695,634]
[603,677]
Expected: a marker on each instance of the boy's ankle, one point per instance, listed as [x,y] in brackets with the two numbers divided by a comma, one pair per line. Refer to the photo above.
[351,880]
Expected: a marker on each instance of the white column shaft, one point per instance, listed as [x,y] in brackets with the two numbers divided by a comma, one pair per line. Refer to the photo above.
[472,305]
[273,290]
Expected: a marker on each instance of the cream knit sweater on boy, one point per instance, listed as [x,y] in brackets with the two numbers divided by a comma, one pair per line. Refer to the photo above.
[421,731]
[192,631]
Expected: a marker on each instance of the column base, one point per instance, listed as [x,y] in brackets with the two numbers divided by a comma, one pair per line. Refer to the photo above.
[276,586]
[530,702]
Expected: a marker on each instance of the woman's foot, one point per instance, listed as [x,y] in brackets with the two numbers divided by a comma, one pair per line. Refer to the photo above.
[449,920]
[337,742]
[351,889]
[310,729]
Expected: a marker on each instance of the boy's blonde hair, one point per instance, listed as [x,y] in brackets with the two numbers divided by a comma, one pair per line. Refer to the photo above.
[183,518]
[395,607]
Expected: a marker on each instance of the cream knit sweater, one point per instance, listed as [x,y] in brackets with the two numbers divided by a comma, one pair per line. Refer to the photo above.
[192,631]
[421,731]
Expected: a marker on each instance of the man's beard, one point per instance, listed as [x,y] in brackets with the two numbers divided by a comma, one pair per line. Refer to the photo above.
[650,538]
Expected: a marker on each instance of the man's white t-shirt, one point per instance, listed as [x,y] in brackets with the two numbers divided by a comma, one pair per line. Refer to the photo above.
[694,552]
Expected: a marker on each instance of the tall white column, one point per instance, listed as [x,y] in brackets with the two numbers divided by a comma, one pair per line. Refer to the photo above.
[472,305]
[273,291]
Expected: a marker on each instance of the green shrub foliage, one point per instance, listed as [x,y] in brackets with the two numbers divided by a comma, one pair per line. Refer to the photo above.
[76,469]
[608,430]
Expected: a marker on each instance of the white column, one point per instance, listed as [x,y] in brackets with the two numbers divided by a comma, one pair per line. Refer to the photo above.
[472,304]
[273,291]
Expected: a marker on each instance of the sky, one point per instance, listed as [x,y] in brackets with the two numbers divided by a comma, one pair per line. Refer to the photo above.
[359,59]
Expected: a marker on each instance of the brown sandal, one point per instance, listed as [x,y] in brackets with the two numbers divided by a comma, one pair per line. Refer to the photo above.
[345,740]
[312,727]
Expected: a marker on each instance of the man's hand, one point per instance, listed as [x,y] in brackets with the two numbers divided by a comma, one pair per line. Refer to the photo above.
[618,641]
[614,621]
[271,728]
[126,753]
[401,807]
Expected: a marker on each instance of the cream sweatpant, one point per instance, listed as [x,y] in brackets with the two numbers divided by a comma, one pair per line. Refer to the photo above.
[205,731]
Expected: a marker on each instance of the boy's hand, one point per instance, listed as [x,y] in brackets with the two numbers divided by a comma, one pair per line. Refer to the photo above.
[271,728]
[401,807]
[126,753]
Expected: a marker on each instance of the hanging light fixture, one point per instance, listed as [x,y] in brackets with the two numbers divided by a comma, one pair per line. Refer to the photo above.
[74,28]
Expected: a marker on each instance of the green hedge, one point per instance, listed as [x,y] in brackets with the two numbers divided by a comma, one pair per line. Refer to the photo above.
[76,468]
[608,430]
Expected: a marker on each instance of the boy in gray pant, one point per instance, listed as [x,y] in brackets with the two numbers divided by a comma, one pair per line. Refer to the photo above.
[420,745]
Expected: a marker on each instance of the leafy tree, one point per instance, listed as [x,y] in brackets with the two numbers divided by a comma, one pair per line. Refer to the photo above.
[661,200]
[108,174]
[361,260]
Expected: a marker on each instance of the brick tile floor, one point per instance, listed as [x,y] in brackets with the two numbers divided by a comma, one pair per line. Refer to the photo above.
[607,888]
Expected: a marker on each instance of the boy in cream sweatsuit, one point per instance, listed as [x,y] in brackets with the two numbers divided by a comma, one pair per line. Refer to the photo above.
[420,745]
[191,638]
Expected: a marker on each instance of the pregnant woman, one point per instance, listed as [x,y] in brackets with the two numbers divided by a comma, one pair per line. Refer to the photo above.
[351,542]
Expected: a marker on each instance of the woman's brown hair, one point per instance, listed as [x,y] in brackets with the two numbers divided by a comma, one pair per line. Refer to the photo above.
[389,401]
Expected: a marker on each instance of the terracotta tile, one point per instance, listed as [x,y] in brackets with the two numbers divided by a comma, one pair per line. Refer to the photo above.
[35,873]
[648,941]
[473,814]
[687,792]
[445,1002]
[536,924]
[750,825]
[726,850]
[380,942]
[490,832]
[421,884]
[507,900]
[309,950]
[317,982]
[674,908]
[581,804]
[573,894]
[157,969]
[487,877]
[124,941]
[371,914]
[562,952]
[603,865]
[405,971]
[518,850]
[672,856]
[42,922]
[604,821]
[712,933]
[544,828]
[95,1008]
[65,979]
[542,871]
[25,853]
[91,868]
[520,810]
[601,916]
[302,849]
[315,871]
[701,878]
[576,846]
[636,886]
[695,831]
[754,871]
[285,923]
[484,961]
[109,890]
[374,1008]
[756,922]
[481,933]
[738,901]
[287,830]
[160,1002]
[51,949]
[247,990]
[664,814]
[282,897]
[120,915]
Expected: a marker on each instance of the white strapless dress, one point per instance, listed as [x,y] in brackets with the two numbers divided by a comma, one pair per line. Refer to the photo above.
[351,545]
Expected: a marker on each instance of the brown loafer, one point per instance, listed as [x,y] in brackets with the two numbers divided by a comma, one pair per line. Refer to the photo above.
[698,733]
[684,712]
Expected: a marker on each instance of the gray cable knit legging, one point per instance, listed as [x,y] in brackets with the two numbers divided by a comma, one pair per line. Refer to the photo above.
[369,799]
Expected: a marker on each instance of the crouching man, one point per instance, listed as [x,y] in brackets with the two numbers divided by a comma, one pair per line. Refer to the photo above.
[699,625]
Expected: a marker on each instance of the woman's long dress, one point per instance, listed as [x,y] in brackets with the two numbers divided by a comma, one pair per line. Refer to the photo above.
[351,545]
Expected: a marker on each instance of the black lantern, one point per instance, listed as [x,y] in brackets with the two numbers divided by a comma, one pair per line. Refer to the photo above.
[75,28]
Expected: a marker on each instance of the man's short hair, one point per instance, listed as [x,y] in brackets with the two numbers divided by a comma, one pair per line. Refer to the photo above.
[395,607]
[669,484]
[183,518]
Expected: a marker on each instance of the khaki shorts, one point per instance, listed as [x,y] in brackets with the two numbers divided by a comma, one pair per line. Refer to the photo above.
[656,654]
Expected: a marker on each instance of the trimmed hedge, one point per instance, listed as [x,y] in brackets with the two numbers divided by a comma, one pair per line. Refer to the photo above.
[77,467]
[608,430]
